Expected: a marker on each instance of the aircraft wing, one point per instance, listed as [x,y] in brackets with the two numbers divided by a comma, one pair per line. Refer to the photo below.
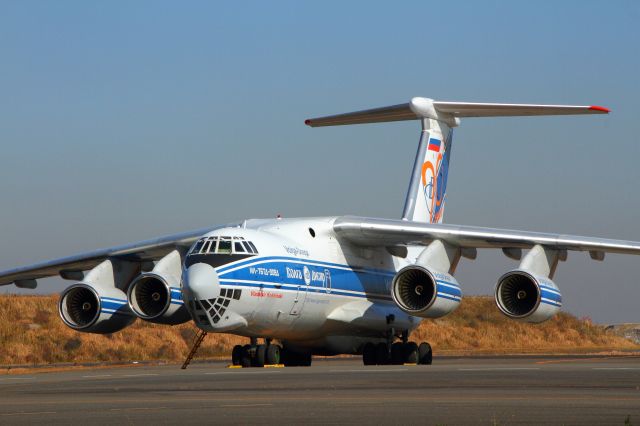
[389,232]
[141,251]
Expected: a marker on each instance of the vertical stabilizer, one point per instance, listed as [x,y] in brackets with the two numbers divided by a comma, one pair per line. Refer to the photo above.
[426,196]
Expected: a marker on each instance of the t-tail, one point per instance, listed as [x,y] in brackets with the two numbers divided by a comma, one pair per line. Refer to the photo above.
[427,193]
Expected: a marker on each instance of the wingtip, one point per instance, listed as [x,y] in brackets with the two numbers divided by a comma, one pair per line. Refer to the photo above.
[600,109]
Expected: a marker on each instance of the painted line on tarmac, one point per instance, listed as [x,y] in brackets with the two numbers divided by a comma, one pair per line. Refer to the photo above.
[499,369]
[601,358]
[97,376]
[28,413]
[616,368]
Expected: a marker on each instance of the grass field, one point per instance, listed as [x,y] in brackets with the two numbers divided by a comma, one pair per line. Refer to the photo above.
[32,333]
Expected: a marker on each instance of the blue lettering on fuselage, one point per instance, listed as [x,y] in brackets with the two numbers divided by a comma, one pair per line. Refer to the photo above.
[323,276]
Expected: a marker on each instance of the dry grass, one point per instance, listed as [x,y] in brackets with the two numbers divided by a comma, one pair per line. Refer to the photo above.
[32,333]
[478,327]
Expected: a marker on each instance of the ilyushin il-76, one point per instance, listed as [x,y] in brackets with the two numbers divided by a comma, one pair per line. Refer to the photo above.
[299,287]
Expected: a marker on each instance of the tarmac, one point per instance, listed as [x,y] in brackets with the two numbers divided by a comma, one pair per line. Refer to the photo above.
[487,390]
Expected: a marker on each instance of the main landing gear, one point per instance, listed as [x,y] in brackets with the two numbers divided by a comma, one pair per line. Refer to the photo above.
[255,355]
[397,353]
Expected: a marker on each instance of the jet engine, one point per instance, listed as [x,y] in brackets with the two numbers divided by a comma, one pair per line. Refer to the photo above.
[152,299]
[523,296]
[156,297]
[95,309]
[425,293]
[97,304]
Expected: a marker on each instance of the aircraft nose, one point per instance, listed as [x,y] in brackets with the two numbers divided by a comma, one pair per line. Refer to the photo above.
[200,281]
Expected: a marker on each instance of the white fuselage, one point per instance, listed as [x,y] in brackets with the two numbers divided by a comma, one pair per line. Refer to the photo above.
[303,286]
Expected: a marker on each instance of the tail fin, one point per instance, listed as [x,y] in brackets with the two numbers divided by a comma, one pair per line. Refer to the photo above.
[428,187]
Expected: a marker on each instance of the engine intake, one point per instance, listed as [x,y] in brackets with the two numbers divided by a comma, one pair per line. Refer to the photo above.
[81,306]
[92,309]
[523,296]
[421,292]
[152,299]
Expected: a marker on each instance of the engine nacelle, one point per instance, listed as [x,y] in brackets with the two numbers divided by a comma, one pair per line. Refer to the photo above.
[523,296]
[424,293]
[153,299]
[95,309]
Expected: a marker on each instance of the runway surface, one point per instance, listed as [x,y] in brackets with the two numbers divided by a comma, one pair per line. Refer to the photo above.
[539,390]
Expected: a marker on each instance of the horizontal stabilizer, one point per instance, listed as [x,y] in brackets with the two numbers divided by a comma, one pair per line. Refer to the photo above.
[419,108]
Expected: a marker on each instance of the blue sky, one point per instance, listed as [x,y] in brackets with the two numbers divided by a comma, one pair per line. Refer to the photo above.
[122,120]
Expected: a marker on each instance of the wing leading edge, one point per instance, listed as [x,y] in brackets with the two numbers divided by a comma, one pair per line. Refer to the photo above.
[389,232]
[142,251]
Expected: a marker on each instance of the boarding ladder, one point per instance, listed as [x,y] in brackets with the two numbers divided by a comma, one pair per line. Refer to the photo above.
[197,341]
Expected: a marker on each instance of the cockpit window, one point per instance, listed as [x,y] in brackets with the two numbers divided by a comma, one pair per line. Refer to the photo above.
[255,250]
[197,247]
[224,246]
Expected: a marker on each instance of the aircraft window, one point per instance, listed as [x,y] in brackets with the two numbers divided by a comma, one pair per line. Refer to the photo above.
[205,248]
[197,247]
[255,250]
[247,247]
[224,246]
[238,248]
[214,242]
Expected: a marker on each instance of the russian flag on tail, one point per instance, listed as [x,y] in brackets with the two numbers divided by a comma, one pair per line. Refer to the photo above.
[434,145]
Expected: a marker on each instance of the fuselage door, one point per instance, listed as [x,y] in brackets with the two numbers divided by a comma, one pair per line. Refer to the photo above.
[301,292]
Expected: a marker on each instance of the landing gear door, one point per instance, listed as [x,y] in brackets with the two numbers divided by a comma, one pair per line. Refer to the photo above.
[301,293]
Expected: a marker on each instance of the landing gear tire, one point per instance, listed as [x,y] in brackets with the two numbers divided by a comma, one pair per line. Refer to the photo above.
[273,355]
[425,354]
[397,353]
[245,358]
[369,354]
[382,354]
[410,353]
[236,355]
[261,354]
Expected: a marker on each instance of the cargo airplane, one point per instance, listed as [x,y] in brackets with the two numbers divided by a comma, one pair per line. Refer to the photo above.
[324,285]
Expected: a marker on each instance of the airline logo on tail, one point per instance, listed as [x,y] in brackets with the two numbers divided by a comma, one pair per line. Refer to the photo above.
[435,171]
